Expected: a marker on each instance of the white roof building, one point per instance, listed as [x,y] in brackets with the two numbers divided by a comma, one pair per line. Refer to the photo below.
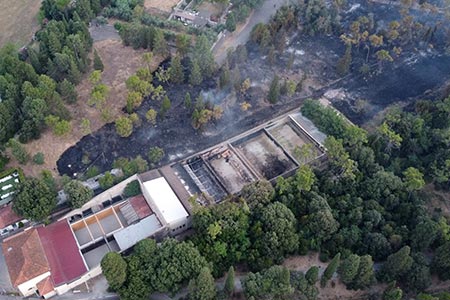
[165,202]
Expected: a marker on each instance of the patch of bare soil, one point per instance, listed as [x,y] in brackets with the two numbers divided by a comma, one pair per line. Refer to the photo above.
[335,289]
[120,62]
[163,7]
[18,21]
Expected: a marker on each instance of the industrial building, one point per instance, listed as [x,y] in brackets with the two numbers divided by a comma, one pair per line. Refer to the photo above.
[52,259]
[277,148]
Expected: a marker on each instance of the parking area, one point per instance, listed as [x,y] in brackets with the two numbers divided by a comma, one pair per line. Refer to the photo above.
[5,282]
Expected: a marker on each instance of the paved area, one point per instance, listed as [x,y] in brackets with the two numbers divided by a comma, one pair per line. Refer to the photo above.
[242,33]
[5,283]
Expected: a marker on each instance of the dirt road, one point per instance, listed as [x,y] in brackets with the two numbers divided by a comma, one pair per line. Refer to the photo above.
[241,35]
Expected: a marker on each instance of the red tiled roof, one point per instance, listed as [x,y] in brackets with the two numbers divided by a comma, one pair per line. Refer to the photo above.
[24,256]
[8,216]
[45,286]
[62,252]
[140,206]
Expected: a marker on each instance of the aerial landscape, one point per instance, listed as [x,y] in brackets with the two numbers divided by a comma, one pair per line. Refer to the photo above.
[225,149]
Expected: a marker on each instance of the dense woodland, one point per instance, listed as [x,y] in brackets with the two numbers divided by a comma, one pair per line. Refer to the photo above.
[367,206]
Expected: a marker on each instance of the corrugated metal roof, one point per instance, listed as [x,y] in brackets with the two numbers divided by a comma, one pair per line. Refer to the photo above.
[129,236]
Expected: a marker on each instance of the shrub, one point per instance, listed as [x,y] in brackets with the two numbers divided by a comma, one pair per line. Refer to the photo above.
[38,158]
[132,189]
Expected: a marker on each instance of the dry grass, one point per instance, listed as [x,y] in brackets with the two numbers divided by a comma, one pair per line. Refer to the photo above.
[18,20]
[120,62]
[335,289]
[160,6]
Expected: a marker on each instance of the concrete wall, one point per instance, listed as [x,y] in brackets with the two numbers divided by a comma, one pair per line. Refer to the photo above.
[29,288]
[105,196]
[67,287]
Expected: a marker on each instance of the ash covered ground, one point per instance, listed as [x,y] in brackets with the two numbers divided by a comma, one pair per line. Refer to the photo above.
[413,75]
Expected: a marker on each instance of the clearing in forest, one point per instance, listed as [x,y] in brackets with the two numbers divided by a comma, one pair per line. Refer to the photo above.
[18,21]
[160,6]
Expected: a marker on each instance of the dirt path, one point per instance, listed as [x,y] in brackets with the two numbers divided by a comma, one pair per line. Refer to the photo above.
[241,35]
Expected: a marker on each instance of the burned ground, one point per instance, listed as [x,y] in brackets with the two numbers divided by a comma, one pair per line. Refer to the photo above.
[412,74]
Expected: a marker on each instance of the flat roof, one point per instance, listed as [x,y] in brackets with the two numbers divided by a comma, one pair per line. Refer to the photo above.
[129,236]
[165,200]
[61,249]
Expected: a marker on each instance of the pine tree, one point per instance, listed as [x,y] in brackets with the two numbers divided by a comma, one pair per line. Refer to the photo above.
[202,287]
[176,70]
[274,92]
[230,24]
[160,44]
[330,270]
[195,77]
[229,282]
[165,106]
[98,64]
[343,65]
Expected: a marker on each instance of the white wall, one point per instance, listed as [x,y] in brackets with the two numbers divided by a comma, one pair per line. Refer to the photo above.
[29,288]
[67,287]
[100,198]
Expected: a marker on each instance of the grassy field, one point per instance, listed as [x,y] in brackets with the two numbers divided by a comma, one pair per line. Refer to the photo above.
[18,21]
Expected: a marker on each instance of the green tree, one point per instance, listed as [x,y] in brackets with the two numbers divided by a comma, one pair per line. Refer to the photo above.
[392,292]
[273,283]
[441,261]
[202,287]
[18,151]
[176,263]
[67,91]
[165,106]
[106,181]
[273,236]
[258,194]
[183,42]
[85,126]
[348,268]
[160,44]
[413,179]
[366,275]
[230,23]
[134,100]
[176,70]
[38,158]
[397,265]
[195,77]
[133,188]
[330,269]
[343,64]
[124,126]
[229,282]
[114,267]
[202,53]
[222,235]
[77,193]
[34,200]
[151,116]
[274,91]
[98,64]
[312,275]
[155,155]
